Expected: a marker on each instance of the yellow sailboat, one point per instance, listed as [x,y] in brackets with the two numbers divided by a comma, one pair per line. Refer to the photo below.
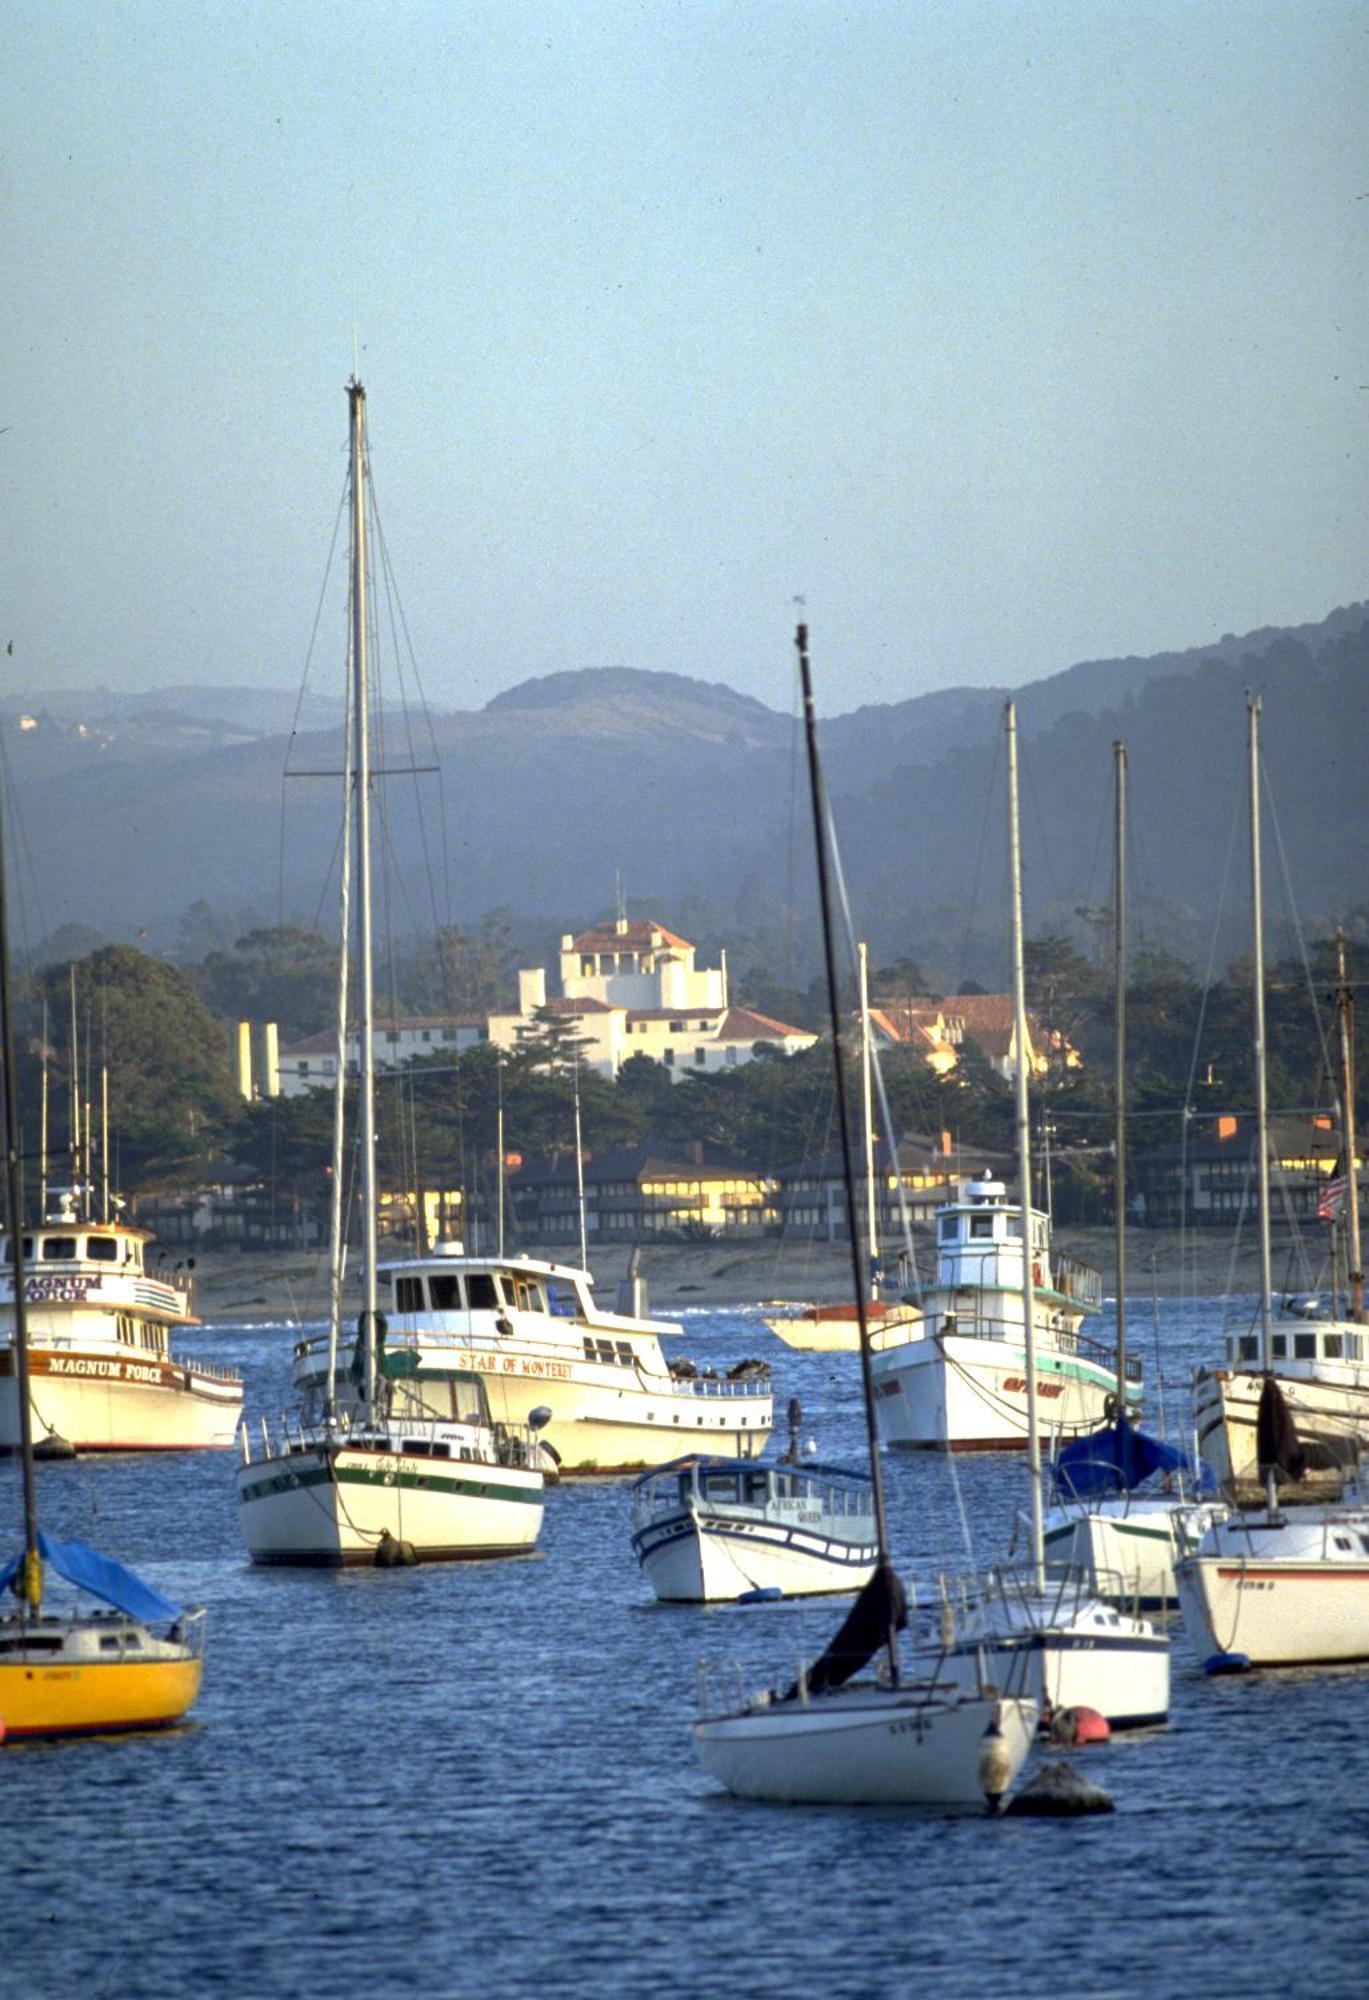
[134,1664]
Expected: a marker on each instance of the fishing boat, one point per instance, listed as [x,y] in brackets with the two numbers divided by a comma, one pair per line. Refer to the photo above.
[1074,1648]
[955,1378]
[535,1337]
[833,1737]
[707,1530]
[411,1465]
[137,1662]
[1268,1587]
[1125,1505]
[1320,1358]
[835,1328]
[103,1375]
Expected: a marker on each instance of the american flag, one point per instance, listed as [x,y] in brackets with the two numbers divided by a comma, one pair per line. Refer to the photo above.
[1332,1199]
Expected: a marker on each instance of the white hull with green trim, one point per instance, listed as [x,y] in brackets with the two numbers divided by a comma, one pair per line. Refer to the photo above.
[389,1494]
[1127,1546]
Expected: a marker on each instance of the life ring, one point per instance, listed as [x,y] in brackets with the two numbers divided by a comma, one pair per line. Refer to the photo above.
[1036,1272]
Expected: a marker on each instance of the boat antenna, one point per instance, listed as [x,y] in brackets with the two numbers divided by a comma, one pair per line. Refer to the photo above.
[31,1587]
[1345,1022]
[820,839]
[1024,1164]
[1119,1061]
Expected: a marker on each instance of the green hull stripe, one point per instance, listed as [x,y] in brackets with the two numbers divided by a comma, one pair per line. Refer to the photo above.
[469,1488]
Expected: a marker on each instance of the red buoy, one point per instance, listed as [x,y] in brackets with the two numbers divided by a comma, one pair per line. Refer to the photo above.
[1076,1727]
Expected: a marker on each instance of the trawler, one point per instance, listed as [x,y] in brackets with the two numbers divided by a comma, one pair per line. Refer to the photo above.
[102,1372]
[536,1338]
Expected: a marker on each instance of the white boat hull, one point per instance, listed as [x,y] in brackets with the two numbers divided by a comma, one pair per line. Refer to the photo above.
[336,1504]
[866,1745]
[1333,1413]
[952,1392]
[1126,1549]
[1065,1649]
[106,1399]
[1280,1595]
[837,1331]
[697,1558]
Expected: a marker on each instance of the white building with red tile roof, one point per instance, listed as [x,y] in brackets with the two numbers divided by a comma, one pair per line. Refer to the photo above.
[311,1063]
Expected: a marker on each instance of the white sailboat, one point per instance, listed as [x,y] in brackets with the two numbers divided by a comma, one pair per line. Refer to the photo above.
[1266,1588]
[832,1738]
[413,1468]
[835,1328]
[1076,1650]
[1125,1509]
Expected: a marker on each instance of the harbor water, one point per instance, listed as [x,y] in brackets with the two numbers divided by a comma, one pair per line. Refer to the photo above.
[478,1779]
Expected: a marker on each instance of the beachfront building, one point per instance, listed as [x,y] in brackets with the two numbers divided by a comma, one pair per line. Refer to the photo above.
[1212,1177]
[631,987]
[691,1191]
[811,1195]
[311,1064]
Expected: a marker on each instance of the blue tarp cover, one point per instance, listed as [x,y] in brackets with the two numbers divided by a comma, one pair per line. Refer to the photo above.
[101,1576]
[1113,1460]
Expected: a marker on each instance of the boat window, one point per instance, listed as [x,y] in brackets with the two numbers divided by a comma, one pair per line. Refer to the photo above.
[408,1295]
[625,1353]
[1364,1543]
[528,1295]
[721,1486]
[605,1350]
[1344,1542]
[561,1299]
[1280,1347]
[589,1348]
[1304,1346]
[482,1291]
[948,1228]
[756,1488]
[981,1225]
[1014,1225]
[59,1246]
[103,1249]
[444,1291]
[1334,1347]
[1248,1347]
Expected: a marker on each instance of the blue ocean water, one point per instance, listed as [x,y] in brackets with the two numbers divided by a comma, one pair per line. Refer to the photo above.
[479,1780]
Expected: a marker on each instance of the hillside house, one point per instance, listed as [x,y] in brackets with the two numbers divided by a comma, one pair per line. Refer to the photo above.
[311,1064]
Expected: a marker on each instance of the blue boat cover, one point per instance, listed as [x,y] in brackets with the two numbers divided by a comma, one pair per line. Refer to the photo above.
[101,1576]
[1113,1460]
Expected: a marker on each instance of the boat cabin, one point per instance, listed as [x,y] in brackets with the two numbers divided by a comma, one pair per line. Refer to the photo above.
[724,1484]
[1308,1340]
[979,1248]
[467,1284]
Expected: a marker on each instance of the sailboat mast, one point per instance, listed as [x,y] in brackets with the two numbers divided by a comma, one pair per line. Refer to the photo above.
[580,1171]
[1252,709]
[337,1239]
[1024,1165]
[31,1592]
[43,1123]
[1345,1021]
[356,396]
[1119,1058]
[867,1090]
[820,835]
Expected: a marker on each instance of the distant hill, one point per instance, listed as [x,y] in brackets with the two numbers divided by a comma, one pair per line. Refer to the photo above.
[132,808]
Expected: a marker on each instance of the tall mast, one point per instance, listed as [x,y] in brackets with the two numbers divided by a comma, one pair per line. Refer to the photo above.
[356,397]
[31,1588]
[1252,710]
[75,1090]
[337,1240]
[43,1124]
[871,1221]
[1345,1021]
[820,836]
[1024,1165]
[580,1171]
[1119,1059]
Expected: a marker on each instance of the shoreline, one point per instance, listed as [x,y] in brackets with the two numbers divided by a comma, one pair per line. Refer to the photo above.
[291,1286]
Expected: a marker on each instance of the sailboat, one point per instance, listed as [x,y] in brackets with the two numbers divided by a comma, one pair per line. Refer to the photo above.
[412,1467]
[1125,1509]
[1265,1588]
[834,1329]
[137,1663]
[1078,1650]
[832,1738]
[1322,1363]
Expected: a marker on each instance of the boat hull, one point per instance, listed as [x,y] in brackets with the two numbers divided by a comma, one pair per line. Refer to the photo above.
[63,1681]
[869,1746]
[1063,1647]
[1126,1549]
[103,1399]
[1285,1596]
[952,1392]
[336,1505]
[836,1330]
[709,1558]
[1331,1415]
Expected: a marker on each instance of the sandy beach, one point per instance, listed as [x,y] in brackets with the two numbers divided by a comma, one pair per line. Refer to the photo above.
[291,1286]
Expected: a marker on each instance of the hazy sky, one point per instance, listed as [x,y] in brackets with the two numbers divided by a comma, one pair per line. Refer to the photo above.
[1007,335]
